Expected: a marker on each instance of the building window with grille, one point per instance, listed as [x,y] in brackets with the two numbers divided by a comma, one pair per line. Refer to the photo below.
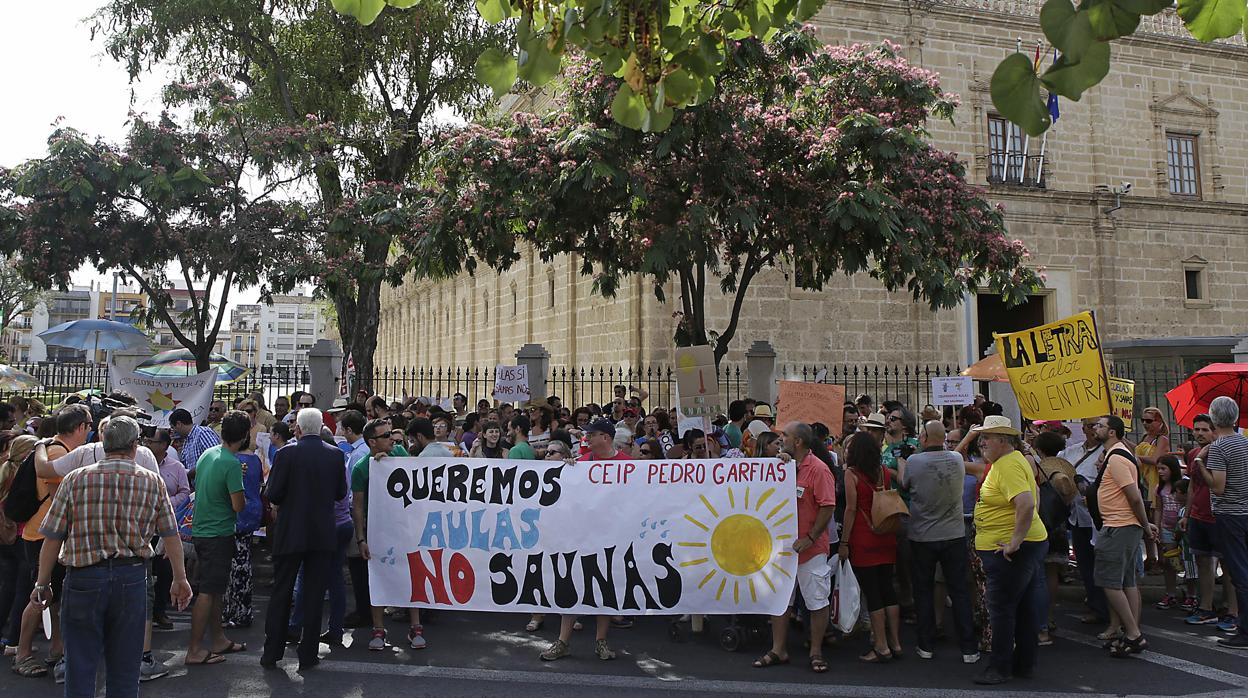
[1182,164]
[1005,150]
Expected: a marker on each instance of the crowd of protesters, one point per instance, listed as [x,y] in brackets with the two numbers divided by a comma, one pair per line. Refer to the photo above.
[985,515]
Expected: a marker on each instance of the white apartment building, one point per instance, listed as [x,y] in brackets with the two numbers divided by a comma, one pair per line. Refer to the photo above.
[287,330]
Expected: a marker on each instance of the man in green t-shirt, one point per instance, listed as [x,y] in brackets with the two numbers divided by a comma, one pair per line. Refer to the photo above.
[520,426]
[381,445]
[218,499]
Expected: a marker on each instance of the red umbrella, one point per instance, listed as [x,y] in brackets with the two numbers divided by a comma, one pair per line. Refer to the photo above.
[1192,396]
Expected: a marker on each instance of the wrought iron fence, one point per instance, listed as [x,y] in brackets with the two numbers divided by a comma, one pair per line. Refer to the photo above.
[574,385]
[60,380]
[1152,382]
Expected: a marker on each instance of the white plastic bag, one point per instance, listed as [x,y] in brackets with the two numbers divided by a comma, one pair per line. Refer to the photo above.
[846,597]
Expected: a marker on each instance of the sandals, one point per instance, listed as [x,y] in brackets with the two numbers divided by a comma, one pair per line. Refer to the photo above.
[1125,648]
[30,668]
[210,658]
[534,625]
[873,657]
[233,648]
[770,659]
[818,665]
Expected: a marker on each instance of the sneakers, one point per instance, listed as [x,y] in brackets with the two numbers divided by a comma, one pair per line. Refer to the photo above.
[1238,642]
[1166,603]
[1201,617]
[970,658]
[1228,624]
[923,654]
[162,623]
[557,650]
[990,677]
[416,637]
[1190,604]
[378,641]
[58,671]
[602,651]
[150,669]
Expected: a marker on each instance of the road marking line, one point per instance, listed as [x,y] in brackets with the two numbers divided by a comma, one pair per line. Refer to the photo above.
[1154,657]
[1203,642]
[563,678]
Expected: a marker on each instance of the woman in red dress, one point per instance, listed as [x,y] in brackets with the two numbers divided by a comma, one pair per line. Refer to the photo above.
[871,554]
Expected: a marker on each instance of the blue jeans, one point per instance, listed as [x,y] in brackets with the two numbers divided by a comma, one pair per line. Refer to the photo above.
[103,612]
[337,587]
[1233,530]
[951,554]
[1015,596]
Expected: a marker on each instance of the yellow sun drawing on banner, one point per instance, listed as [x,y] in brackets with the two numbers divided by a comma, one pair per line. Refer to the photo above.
[163,401]
[742,545]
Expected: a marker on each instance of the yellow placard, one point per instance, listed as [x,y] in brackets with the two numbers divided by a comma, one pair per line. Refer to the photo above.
[1056,370]
[810,403]
[1122,398]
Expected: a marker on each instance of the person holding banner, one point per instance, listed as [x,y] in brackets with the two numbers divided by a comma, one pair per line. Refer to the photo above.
[600,434]
[1011,541]
[816,502]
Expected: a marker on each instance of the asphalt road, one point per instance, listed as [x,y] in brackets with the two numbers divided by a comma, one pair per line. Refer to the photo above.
[474,654]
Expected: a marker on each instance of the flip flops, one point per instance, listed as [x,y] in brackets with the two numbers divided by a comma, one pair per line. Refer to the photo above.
[210,658]
[233,648]
[769,660]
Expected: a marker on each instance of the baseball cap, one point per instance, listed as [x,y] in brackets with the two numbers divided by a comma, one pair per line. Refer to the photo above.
[601,425]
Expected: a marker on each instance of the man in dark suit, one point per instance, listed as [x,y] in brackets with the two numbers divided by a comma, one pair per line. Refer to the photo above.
[307,478]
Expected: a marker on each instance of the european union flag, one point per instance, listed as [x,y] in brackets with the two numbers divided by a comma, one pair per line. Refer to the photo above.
[1054,112]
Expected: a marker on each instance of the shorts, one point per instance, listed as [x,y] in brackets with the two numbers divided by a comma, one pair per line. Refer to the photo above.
[814,579]
[215,556]
[1117,556]
[1202,537]
[32,549]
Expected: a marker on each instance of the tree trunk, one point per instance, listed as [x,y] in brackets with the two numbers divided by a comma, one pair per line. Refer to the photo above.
[203,358]
[365,320]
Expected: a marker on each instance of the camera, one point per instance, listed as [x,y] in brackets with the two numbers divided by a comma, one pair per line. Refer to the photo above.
[906,450]
[103,407]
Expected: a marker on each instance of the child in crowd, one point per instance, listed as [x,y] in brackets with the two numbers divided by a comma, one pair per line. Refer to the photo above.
[1166,516]
[1187,558]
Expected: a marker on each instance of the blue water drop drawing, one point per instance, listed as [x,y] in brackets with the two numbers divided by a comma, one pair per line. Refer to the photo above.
[643,535]
[664,535]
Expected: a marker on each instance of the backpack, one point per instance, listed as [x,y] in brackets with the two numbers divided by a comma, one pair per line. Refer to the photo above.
[1094,505]
[23,500]
[1054,511]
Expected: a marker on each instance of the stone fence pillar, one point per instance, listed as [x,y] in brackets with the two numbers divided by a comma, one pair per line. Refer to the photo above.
[324,364]
[760,370]
[537,359]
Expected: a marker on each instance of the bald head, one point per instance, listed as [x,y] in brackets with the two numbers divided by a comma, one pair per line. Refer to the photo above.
[933,434]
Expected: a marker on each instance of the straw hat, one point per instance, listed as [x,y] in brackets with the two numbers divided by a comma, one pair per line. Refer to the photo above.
[996,424]
[875,420]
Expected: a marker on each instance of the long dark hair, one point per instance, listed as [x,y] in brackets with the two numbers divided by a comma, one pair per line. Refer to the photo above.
[863,455]
[1176,475]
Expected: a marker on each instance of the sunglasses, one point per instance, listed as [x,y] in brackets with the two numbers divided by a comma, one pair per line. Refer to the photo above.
[1148,421]
[305,404]
[647,452]
[894,418]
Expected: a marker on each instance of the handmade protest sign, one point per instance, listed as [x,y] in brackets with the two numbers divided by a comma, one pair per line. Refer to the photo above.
[617,537]
[1056,370]
[161,396]
[810,402]
[697,382]
[511,383]
[952,390]
[1122,396]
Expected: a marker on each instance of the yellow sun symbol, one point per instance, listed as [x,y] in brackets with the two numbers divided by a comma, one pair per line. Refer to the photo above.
[743,546]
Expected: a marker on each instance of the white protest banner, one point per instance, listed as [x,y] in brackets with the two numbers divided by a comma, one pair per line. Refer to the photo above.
[161,396]
[693,536]
[511,383]
[953,390]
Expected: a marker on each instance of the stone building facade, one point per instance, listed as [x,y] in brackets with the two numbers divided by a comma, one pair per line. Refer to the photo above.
[1164,266]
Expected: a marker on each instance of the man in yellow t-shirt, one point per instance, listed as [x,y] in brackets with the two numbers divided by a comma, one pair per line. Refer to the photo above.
[1010,541]
[73,424]
[1118,546]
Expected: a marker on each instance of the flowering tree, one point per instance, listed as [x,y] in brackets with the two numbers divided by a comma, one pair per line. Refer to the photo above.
[206,202]
[808,157]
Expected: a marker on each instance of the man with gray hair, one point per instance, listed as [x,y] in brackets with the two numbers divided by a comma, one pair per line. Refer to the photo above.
[105,559]
[1228,468]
